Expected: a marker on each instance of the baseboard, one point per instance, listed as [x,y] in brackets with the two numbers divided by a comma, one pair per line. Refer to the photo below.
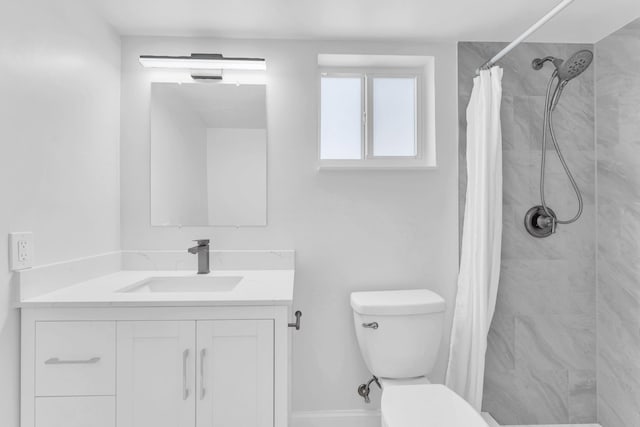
[347,418]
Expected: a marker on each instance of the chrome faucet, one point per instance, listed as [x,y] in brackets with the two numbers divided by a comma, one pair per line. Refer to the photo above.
[202,249]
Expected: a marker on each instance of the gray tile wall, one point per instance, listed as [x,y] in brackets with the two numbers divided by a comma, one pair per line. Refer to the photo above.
[618,295]
[541,357]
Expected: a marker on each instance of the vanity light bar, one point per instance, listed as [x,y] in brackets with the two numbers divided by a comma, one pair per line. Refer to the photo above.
[203,61]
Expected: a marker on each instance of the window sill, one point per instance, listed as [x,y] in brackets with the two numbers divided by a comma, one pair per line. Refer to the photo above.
[333,167]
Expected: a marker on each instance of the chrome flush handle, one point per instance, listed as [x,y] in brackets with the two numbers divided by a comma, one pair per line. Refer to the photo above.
[372,325]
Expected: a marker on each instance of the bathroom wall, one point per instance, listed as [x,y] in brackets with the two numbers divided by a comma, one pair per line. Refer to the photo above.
[59,155]
[541,356]
[618,154]
[352,230]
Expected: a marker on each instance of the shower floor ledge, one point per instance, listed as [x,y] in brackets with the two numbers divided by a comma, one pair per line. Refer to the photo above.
[493,423]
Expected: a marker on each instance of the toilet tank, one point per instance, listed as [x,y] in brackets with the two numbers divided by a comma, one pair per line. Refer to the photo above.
[398,332]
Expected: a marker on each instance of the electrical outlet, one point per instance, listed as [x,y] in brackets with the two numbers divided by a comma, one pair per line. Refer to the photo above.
[21,250]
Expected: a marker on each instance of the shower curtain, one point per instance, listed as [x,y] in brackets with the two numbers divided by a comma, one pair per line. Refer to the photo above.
[481,240]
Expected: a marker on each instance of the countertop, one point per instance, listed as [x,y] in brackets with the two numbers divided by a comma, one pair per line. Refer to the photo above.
[256,288]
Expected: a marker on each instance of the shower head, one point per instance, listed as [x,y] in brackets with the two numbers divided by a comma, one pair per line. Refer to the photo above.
[569,69]
[574,66]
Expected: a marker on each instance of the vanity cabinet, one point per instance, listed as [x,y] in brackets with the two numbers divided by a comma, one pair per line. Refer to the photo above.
[155,367]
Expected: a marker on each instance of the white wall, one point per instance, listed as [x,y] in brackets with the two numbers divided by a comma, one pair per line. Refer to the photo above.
[352,230]
[179,157]
[59,153]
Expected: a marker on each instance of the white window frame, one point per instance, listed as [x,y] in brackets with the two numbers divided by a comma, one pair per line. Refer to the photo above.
[363,104]
[368,160]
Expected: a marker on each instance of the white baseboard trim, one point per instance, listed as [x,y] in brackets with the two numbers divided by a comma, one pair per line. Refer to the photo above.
[346,418]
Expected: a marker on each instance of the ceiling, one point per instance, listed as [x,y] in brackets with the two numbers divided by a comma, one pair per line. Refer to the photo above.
[584,21]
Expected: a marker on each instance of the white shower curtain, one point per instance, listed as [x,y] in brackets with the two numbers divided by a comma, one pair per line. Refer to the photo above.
[481,240]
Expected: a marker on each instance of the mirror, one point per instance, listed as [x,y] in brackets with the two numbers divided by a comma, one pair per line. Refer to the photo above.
[208,154]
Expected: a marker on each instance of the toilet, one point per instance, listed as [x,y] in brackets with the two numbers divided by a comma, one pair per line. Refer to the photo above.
[399,336]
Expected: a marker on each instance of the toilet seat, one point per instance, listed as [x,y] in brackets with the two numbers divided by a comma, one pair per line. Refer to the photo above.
[427,405]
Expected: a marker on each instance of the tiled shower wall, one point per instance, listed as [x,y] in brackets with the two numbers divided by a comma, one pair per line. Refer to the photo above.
[541,358]
[618,154]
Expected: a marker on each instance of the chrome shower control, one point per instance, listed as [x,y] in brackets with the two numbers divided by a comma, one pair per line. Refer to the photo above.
[538,223]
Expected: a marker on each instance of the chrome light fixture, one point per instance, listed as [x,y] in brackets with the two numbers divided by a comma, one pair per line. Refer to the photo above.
[208,66]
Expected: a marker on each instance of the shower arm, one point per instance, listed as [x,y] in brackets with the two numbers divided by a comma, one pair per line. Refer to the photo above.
[538,63]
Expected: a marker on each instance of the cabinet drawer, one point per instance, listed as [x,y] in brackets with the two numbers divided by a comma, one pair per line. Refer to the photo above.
[94,411]
[75,358]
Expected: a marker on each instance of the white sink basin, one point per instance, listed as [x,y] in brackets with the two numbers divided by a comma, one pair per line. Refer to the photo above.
[185,284]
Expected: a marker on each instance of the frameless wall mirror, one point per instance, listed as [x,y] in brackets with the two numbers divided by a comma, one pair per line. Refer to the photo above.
[208,154]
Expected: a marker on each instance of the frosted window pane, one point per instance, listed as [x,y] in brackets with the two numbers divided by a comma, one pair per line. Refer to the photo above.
[341,118]
[394,117]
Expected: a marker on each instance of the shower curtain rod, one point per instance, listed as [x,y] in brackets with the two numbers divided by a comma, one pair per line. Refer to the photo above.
[490,63]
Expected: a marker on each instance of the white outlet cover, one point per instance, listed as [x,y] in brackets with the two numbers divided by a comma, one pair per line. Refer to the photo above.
[20,250]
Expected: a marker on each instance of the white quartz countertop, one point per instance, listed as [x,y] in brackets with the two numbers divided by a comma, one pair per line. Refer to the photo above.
[256,287]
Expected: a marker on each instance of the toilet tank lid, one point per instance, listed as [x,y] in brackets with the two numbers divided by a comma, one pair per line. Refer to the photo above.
[415,301]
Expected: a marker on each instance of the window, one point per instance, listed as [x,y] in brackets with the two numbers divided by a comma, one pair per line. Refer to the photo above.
[375,116]
[341,128]
[394,127]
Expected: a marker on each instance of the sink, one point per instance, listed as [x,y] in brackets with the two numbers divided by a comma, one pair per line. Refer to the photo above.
[185,284]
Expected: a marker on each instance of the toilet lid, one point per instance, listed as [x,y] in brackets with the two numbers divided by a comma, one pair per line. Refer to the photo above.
[427,405]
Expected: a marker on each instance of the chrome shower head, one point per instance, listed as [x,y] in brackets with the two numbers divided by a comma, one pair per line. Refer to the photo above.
[569,69]
[574,66]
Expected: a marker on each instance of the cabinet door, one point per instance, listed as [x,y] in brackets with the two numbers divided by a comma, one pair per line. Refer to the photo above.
[156,372]
[235,373]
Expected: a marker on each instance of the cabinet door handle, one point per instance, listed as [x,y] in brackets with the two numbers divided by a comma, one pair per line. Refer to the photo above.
[57,361]
[185,387]
[203,390]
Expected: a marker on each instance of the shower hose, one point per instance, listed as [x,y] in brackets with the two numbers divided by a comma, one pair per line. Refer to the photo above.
[550,104]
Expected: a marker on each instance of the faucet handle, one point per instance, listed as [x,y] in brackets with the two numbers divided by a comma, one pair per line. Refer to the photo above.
[202,242]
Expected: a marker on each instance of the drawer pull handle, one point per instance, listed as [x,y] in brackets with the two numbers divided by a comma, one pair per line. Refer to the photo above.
[57,361]
[185,387]
[203,390]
